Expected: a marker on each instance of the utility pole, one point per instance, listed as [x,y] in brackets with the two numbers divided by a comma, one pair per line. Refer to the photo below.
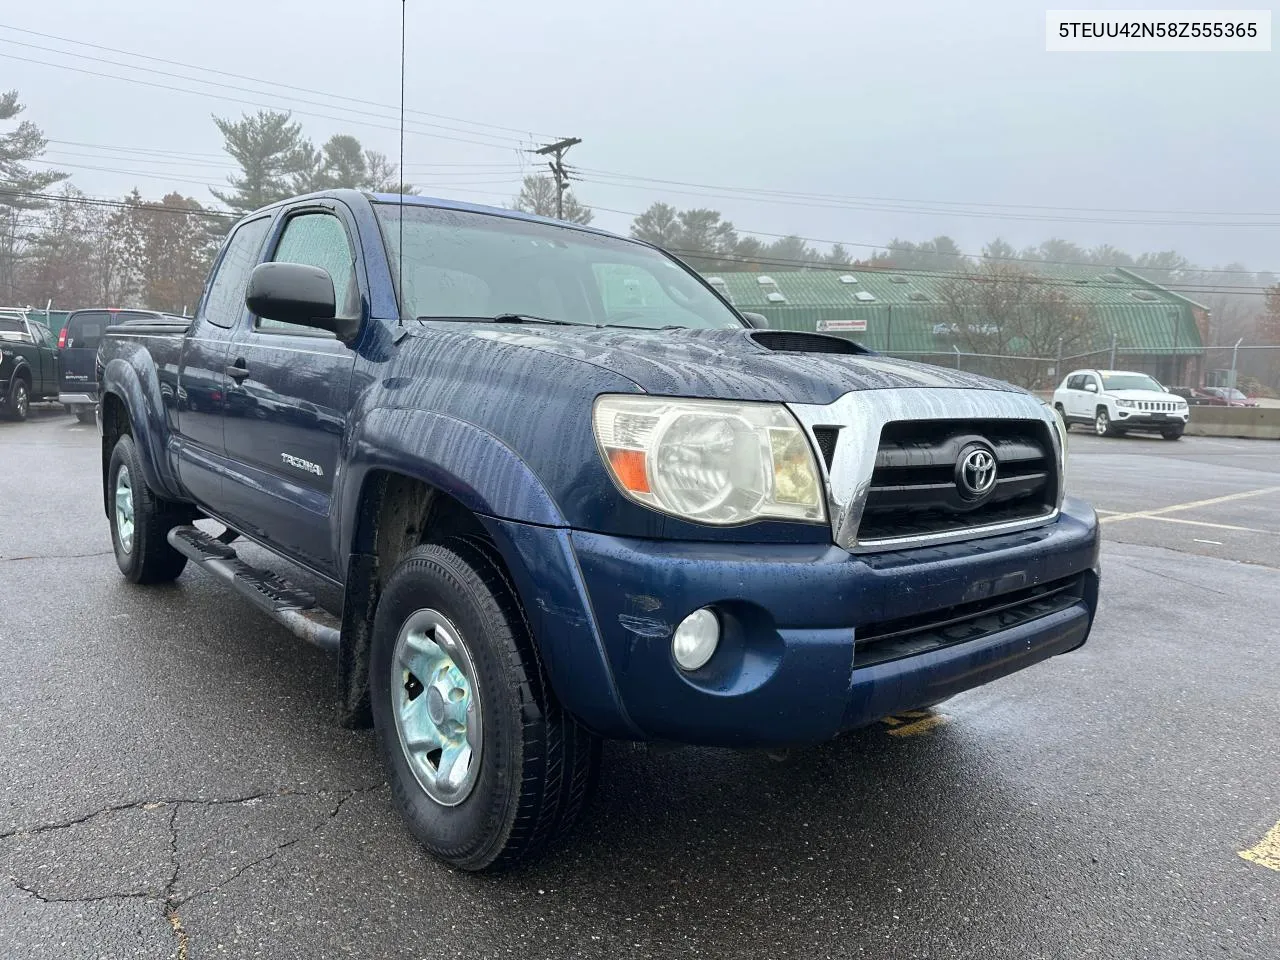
[557,151]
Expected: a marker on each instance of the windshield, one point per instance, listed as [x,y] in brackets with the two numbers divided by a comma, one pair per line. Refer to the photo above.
[463,264]
[1130,381]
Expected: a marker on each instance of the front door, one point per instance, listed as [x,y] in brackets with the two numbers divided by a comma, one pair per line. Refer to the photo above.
[287,404]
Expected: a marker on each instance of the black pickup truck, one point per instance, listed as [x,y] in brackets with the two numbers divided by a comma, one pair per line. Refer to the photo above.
[568,492]
[28,364]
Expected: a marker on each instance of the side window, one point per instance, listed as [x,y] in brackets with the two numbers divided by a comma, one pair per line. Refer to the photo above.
[224,304]
[37,334]
[320,240]
[1076,382]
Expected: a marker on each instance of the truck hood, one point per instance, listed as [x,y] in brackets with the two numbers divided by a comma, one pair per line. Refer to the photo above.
[1149,395]
[731,364]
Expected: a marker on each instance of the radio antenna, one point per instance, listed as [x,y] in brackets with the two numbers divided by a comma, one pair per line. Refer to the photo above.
[400,186]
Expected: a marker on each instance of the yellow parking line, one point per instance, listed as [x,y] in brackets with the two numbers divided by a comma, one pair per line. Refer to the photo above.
[1266,853]
[918,727]
[1191,505]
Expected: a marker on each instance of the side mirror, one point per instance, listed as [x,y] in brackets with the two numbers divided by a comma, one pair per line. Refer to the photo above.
[1091,387]
[757,321]
[296,293]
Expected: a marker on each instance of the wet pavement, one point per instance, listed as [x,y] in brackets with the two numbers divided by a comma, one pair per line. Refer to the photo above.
[171,783]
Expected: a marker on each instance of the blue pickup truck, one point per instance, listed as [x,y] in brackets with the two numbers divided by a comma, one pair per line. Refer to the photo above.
[570,493]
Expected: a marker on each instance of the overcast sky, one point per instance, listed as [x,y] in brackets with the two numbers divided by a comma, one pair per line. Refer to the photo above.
[929,103]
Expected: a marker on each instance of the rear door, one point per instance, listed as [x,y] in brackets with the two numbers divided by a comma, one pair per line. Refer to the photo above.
[200,391]
[45,361]
[286,412]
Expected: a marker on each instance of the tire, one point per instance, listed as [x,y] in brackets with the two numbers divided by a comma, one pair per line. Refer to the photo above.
[142,550]
[536,765]
[1172,433]
[1062,415]
[85,414]
[1102,424]
[17,403]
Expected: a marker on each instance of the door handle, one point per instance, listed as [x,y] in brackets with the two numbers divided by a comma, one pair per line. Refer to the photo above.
[237,371]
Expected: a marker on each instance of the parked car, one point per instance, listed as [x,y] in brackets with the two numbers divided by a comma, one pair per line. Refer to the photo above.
[1195,396]
[78,349]
[1117,401]
[28,364]
[1228,397]
[569,493]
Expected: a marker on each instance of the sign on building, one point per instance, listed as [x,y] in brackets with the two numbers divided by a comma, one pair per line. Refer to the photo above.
[854,326]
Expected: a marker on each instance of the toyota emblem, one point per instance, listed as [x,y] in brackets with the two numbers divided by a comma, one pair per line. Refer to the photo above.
[975,471]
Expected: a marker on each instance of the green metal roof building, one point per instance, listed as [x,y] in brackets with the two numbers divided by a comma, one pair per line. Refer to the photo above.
[902,312]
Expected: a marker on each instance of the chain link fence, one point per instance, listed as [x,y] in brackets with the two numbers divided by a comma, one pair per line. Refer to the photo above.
[1256,369]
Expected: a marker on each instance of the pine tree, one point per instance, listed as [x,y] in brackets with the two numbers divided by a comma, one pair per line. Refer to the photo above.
[20,187]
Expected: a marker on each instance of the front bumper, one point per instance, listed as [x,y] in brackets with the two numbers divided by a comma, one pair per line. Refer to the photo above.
[787,671]
[1148,421]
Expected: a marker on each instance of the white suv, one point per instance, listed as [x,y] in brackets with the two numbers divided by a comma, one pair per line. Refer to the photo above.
[1116,401]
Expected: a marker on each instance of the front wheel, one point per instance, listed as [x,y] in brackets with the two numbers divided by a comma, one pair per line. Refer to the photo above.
[1102,425]
[1172,433]
[484,764]
[140,521]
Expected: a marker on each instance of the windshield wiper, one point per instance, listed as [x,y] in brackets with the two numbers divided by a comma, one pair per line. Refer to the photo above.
[531,318]
[512,318]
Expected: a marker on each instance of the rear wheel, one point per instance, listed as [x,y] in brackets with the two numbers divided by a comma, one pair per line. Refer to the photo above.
[17,404]
[141,521]
[484,764]
[1102,424]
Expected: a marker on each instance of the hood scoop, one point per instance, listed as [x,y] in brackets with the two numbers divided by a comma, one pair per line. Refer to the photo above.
[795,341]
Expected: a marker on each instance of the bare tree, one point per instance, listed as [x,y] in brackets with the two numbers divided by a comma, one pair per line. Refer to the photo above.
[538,196]
[1010,314]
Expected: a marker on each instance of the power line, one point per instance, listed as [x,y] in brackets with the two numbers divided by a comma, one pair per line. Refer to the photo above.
[252,103]
[615,181]
[941,203]
[524,134]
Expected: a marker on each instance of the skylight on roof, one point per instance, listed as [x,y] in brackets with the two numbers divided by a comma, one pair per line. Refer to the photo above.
[1112,278]
[776,297]
[848,278]
[1143,295]
[716,281]
[866,296]
[897,279]
[917,295]
[765,281]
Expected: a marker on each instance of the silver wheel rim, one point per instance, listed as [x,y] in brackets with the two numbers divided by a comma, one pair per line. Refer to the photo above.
[124,509]
[436,704]
[20,398]
[1101,423]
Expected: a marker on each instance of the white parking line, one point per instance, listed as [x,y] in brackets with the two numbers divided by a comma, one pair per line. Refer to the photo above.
[1191,505]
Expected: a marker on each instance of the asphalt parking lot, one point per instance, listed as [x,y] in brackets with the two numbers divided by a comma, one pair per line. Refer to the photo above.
[171,783]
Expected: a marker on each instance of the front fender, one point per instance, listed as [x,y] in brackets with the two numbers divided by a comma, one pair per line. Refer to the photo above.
[458,458]
[132,379]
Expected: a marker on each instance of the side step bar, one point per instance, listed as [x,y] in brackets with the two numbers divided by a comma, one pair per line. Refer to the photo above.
[294,609]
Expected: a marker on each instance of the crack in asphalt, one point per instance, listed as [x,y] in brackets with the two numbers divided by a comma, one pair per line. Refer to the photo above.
[56,556]
[169,899]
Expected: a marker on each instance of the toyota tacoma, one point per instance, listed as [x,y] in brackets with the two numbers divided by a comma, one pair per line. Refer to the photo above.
[569,493]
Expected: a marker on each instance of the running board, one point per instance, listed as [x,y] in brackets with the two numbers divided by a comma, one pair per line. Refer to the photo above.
[294,609]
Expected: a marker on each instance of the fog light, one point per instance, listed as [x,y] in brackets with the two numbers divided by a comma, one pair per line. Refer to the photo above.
[695,640]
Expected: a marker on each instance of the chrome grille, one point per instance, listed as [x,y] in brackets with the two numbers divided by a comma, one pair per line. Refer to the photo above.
[864,418]
[1162,406]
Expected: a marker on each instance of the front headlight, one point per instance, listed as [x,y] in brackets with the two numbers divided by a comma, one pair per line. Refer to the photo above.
[710,461]
[1125,403]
